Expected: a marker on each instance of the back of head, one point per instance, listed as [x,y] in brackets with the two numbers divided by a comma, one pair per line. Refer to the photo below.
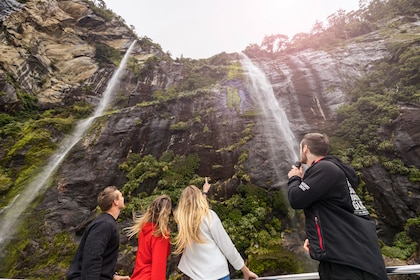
[192,208]
[158,213]
[107,197]
[160,206]
[317,143]
[192,201]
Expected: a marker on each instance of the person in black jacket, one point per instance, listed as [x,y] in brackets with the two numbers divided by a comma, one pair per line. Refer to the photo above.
[98,249]
[341,235]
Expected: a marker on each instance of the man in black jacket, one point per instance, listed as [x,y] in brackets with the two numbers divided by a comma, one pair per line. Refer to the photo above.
[98,250]
[340,232]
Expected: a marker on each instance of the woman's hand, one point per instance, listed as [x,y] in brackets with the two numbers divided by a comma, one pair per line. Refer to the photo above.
[248,274]
[206,186]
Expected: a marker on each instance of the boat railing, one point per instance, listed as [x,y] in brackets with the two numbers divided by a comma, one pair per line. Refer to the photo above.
[391,270]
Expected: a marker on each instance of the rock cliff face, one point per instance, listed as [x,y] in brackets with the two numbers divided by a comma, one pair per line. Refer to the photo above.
[48,48]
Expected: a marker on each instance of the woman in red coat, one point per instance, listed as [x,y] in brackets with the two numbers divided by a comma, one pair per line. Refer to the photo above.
[153,240]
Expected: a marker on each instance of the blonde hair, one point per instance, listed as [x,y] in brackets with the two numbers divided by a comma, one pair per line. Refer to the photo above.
[192,208]
[158,213]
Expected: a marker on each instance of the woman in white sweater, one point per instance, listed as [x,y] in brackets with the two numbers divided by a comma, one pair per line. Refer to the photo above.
[204,244]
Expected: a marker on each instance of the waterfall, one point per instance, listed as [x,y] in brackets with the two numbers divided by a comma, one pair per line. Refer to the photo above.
[276,123]
[9,216]
[283,148]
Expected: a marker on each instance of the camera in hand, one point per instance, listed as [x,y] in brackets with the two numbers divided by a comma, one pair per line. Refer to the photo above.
[298,164]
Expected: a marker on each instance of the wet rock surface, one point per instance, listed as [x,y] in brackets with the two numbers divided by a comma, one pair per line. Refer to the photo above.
[53,42]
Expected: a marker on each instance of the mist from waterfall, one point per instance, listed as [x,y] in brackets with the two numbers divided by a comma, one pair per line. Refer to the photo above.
[276,123]
[283,148]
[10,215]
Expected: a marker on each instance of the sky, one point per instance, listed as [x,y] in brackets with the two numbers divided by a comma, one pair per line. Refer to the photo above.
[202,28]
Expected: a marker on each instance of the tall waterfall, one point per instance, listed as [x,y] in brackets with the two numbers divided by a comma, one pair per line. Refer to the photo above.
[283,144]
[9,216]
[283,148]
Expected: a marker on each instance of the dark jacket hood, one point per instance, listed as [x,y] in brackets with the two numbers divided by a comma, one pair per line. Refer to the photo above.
[347,169]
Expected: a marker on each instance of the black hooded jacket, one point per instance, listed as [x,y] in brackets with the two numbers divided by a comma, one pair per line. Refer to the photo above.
[338,226]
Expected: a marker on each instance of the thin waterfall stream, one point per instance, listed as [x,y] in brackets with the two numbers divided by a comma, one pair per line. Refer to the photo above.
[276,123]
[10,215]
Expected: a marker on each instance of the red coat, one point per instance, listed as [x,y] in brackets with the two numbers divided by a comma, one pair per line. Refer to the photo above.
[152,254]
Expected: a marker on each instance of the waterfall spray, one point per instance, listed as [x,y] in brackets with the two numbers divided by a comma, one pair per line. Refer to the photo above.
[276,120]
[9,216]
[283,146]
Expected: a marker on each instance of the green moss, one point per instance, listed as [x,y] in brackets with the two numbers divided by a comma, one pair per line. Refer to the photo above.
[243,156]
[82,109]
[5,181]
[396,166]
[248,130]
[196,119]
[201,75]
[149,176]
[101,10]
[236,71]
[46,257]
[275,262]
[5,119]
[403,247]
[105,54]
[270,258]
[206,129]
[208,147]
[251,113]
[29,101]
[179,126]
[232,99]
[217,166]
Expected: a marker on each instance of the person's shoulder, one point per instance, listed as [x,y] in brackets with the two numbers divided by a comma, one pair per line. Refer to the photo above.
[212,213]
[213,216]
[104,216]
[105,220]
[148,228]
[346,168]
[325,167]
[327,161]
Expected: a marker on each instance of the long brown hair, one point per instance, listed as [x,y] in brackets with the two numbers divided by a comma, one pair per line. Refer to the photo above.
[158,213]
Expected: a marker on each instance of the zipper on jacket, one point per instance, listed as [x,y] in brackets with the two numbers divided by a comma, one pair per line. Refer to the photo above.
[318,230]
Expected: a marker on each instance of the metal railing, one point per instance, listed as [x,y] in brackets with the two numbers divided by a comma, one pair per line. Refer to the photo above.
[391,270]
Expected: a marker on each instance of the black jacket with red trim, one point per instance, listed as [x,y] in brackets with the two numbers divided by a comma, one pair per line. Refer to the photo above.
[338,226]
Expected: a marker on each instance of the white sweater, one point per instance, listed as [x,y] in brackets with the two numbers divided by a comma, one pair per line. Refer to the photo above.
[207,261]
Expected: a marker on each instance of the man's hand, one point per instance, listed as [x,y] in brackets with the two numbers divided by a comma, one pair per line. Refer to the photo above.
[306,245]
[121,277]
[295,172]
